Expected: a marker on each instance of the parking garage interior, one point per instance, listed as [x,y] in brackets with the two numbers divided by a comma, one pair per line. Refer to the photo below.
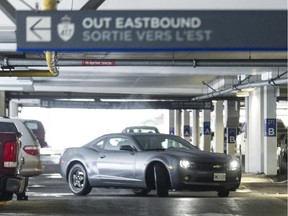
[196,89]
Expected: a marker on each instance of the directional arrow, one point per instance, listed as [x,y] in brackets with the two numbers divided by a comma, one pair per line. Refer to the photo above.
[38,29]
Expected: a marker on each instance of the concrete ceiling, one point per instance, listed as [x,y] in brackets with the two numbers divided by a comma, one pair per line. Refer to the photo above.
[158,75]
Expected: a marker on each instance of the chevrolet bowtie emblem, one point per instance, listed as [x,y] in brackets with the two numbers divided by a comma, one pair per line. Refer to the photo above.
[217,166]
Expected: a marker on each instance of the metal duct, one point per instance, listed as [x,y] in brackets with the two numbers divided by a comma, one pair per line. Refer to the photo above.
[166,63]
[243,86]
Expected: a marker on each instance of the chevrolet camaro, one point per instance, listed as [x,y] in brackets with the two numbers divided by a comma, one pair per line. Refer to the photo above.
[145,162]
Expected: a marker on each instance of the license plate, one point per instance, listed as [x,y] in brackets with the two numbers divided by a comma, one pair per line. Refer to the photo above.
[219,176]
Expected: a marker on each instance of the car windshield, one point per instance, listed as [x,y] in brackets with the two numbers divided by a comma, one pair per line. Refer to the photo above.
[162,142]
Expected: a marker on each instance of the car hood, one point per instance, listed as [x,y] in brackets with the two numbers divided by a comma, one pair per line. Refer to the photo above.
[198,155]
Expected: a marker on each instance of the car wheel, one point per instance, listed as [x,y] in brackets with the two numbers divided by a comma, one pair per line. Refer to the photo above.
[161,182]
[78,181]
[140,191]
[6,196]
[223,193]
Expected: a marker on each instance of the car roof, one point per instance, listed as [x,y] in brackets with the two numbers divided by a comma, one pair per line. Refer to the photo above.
[136,134]
[152,127]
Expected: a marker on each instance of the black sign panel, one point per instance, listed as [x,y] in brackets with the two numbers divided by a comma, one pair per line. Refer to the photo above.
[128,105]
[152,31]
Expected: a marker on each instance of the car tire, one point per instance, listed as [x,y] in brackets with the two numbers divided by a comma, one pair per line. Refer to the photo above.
[140,191]
[223,193]
[161,182]
[6,197]
[78,180]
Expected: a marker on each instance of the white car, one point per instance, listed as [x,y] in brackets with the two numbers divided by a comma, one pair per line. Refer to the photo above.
[30,148]
[29,155]
[140,129]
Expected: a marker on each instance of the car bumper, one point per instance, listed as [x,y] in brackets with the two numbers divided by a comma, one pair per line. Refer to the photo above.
[12,184]
[209,181]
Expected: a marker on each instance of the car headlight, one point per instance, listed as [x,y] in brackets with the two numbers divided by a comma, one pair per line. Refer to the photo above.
[186,164]
[234,165]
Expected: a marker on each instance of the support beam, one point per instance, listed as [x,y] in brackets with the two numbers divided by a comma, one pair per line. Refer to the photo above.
[92,5]
[8,10]
[2,104]
[219,128]
[195,128]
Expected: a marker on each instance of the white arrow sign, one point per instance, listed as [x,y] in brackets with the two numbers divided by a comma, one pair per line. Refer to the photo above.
[38,29]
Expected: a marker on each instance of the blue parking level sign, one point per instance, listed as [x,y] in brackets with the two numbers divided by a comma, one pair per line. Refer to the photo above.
[270,127]
[187,131]
[231,135]
[171,130]
[206,128]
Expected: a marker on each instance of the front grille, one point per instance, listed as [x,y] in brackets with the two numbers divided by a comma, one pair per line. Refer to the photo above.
[211,166]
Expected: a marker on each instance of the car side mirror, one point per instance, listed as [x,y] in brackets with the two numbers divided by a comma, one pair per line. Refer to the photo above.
[19,134]
[126,148]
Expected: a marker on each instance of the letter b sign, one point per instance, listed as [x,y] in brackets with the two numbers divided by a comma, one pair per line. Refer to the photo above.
[270,127]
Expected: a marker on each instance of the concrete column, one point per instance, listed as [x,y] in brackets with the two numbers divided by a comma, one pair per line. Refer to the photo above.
[195,128]
[171,122]
[270,131]
[244,145]
[186,125]
[219,127]
[13,109]
[254,145]
[206,131]
[2,104]
[232,113]
[177,122]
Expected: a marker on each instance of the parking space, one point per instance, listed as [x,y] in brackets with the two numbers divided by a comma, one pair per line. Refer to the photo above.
[49,195]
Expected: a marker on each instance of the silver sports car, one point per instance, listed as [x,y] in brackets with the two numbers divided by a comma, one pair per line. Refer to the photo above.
[145,162]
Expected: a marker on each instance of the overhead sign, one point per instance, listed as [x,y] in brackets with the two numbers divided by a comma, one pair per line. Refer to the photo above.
[151,30]
[128,105]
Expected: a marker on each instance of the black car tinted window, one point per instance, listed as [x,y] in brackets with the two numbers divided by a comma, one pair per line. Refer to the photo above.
[8,127]
[162,142]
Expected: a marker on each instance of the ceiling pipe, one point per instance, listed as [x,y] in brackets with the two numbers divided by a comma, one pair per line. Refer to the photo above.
[51,57]
[9,71]
[25,73]
[130,62]
[242,86]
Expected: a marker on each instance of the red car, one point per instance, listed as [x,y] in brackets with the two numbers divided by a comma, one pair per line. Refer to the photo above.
[10,181]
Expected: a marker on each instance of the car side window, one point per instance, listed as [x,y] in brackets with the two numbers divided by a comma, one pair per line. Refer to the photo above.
[98,145]
[114,144]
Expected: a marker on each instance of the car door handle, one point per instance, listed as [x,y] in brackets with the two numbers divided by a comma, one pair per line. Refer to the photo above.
[102,156]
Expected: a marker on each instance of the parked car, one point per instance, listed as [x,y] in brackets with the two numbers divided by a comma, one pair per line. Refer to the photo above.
[29,155]
[29,152]
[141,129]
[38,129]
[145,162]
[10,181]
